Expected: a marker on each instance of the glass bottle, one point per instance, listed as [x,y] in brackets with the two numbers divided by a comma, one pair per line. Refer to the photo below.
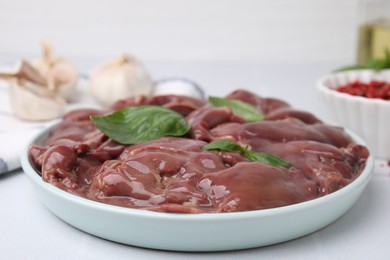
[374,30]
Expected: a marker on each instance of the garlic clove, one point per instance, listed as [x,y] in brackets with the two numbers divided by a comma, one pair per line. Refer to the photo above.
[60,73]
[24,70]
[32,102]
[119,78]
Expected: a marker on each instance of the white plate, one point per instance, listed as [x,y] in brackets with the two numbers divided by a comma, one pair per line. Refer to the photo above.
[197,232]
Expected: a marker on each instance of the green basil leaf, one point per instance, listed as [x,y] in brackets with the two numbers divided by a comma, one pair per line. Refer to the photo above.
[374,64]
[245,110]
[353,67]
[134,125]
[379,64]
[223,145]
[267,158]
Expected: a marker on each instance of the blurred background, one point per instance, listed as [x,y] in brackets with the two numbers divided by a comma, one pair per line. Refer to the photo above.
[268,46]
[175,30]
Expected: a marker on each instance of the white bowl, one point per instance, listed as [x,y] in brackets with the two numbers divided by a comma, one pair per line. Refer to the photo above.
[196,232]
[369,118]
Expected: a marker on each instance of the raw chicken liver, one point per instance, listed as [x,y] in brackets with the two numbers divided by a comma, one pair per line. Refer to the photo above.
[174,174]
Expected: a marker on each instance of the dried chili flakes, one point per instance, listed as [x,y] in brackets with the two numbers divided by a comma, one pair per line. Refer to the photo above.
[373,89]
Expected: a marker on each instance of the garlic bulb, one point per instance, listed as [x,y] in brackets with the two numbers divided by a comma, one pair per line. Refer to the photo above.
[31,99]
[120,78]
[33,102]
[61,74]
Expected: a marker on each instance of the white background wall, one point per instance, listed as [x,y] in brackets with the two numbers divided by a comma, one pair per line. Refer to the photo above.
[183,31]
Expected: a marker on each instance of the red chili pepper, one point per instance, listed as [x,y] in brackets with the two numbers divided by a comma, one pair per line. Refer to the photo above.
[373,89]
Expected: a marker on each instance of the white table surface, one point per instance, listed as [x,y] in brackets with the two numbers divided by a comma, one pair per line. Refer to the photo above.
[30,231]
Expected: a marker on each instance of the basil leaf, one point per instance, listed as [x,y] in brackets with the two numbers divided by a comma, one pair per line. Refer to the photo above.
[267,158]
[379,64]
[353,67]
[223,145]
[374,64]
[244,110]
[134,125]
